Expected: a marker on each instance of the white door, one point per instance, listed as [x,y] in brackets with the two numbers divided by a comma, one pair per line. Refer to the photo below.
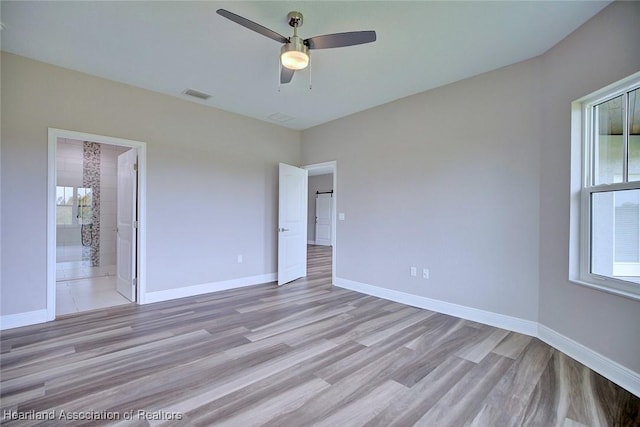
[324,203]
[126,224]
[292,224]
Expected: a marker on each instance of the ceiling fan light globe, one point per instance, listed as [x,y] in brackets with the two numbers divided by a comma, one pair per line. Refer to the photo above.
[294,60]
[295,54]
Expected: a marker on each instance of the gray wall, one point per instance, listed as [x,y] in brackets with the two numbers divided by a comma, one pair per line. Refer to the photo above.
[472,181]
[599,53]
[446,180]
[212,178]
[316,183]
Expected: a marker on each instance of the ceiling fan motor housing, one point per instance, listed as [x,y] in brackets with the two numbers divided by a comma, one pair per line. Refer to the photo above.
[295,19]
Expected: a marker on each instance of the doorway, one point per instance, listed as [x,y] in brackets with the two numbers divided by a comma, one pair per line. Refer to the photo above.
[322,194]
[85,260]
[320,209]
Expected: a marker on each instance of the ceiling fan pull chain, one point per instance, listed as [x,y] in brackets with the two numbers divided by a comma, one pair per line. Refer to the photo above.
[310,86]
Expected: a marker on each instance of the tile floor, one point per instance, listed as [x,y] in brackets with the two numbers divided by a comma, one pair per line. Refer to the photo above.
[73,296]
[80,287]
[71,253]
[72,262]
[69,270]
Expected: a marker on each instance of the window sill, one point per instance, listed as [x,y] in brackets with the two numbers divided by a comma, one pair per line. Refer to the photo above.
[608,289]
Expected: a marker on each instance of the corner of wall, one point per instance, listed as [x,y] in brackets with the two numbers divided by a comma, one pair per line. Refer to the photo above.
[606,367]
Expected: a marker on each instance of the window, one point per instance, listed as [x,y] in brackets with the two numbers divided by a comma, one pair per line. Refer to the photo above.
[609,193]
[73,205]
[64,205]
[85,201]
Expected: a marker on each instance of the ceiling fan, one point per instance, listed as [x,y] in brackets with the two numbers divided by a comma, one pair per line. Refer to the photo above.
[294,54]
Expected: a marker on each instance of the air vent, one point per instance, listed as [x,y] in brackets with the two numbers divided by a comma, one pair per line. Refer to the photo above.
[197,94]
[280,118]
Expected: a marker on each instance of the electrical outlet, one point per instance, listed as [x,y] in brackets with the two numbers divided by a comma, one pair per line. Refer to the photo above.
[240,259]
[414,272]
[425,273]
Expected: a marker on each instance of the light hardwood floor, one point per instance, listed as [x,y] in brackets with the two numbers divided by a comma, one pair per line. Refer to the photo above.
[303,354]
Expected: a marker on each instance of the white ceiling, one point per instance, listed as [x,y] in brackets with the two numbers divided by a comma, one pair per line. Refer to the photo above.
[171,46]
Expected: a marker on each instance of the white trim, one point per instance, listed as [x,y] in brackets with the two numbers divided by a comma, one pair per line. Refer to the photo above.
[610,91]
[334,229]
[9,321]
[51,224]
[618,186]
[608,287]
[606,367]
[205,288]
[311,242]
[527,327]
[141,147]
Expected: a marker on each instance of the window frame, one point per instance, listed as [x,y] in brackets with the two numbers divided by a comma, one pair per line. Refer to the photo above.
[583,187]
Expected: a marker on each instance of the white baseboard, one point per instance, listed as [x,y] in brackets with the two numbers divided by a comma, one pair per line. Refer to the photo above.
[9,321]
[311,242]
[515,324]
[606,367]
[205,288]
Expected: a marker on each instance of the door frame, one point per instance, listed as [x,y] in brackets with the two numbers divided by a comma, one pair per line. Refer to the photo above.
[331,166]
[141,147]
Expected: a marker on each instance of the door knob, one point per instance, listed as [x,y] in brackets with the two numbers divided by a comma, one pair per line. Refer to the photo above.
[283,229]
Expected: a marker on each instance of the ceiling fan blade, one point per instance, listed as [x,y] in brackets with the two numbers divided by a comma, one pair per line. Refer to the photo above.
[252,26]
[328,41]
[286,75]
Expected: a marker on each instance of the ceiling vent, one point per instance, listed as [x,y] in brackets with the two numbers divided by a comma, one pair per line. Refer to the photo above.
[197,94]
[280,118]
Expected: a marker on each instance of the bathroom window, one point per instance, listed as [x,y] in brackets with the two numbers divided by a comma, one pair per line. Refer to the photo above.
[85,214]
[64,205]
[74,205]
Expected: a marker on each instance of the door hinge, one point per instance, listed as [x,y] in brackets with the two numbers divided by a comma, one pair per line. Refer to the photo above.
[135,224]
[135,282]
[135,166]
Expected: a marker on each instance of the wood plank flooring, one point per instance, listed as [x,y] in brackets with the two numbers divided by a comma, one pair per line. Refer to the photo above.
[305,354]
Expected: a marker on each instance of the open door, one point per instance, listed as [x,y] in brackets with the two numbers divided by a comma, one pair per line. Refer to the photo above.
[126,220]
[292,224]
